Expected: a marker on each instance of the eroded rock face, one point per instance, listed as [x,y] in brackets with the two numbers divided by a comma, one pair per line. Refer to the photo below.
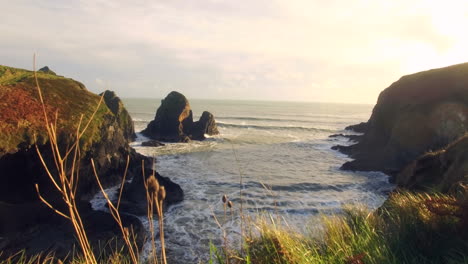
[123,118]
[441,170]
[418,113]
[174,121]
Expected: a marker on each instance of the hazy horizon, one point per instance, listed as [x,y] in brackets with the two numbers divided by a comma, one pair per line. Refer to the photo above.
[249,100]
[275,50]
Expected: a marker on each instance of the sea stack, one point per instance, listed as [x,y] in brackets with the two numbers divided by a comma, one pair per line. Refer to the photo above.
[174,121]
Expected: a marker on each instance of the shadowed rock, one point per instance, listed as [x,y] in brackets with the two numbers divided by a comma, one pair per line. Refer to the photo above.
[174,121]
[47,70]
[152,143]
[441,170]
[418,113]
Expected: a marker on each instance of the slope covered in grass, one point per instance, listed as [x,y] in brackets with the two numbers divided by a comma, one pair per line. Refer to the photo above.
[21,113]
[408,228]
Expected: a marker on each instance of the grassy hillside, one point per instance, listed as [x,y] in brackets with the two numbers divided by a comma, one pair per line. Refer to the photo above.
[21,114]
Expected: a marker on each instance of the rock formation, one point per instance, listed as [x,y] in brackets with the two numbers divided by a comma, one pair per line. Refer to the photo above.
[174,121]
[441,170]
[22,126]
[47,70]
[418,113]
[152,143]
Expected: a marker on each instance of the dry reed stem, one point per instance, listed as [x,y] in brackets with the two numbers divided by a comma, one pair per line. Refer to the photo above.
[241,210]
[155,195]
[65,185]
[129,239]
[150,206]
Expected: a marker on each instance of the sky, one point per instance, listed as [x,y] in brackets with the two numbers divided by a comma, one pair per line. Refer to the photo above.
[283,50]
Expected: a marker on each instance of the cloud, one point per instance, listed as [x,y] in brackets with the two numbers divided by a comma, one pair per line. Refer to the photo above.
[270,50]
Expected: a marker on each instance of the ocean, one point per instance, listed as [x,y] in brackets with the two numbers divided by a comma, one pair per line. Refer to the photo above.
[282,152]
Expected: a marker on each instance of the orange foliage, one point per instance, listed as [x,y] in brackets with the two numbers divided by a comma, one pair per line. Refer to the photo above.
[19,106]
[357,259]
[450,206]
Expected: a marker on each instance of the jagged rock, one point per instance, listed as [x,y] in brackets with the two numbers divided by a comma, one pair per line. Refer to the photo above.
[441,170]
[47,70]
[359,128]
[174,121]
[123,117]
[418,113]
[134,194]
[152,143]
[206,125]
[349,137]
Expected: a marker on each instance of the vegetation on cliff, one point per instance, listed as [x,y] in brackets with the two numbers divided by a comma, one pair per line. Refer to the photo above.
[21,117]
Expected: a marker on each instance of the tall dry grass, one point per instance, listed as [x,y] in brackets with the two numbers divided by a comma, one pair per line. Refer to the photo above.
[64,174]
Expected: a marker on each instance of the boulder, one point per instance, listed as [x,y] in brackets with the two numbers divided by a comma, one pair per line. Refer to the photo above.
[152,143]
[174,121]
[206,125]
[47,70]
[134,194]
[418,113]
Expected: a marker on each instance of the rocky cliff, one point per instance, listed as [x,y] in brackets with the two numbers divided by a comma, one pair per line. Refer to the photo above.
[418,113]
[174,121]
[443,170]
[22,127]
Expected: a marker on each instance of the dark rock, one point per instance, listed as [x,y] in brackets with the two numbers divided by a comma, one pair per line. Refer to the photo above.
[349,137]
[441,170]
[206,125]
[47,70]
[152,143]
[359,128]
[123,118]
[174,121]
[55,234]
[419,113]
[134,194]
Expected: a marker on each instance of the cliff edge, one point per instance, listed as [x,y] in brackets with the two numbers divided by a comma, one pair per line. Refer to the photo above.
[419,113]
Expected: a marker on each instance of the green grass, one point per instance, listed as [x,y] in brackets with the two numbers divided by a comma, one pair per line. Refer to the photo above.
[21,115]
[408,228]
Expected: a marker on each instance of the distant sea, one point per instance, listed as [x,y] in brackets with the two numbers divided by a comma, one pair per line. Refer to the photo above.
[283,152]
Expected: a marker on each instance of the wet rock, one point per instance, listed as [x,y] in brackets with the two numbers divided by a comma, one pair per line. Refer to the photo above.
[152,143]
[359,128]
[206,125]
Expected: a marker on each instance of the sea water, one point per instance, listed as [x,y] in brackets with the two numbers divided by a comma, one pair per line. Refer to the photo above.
[280,151]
